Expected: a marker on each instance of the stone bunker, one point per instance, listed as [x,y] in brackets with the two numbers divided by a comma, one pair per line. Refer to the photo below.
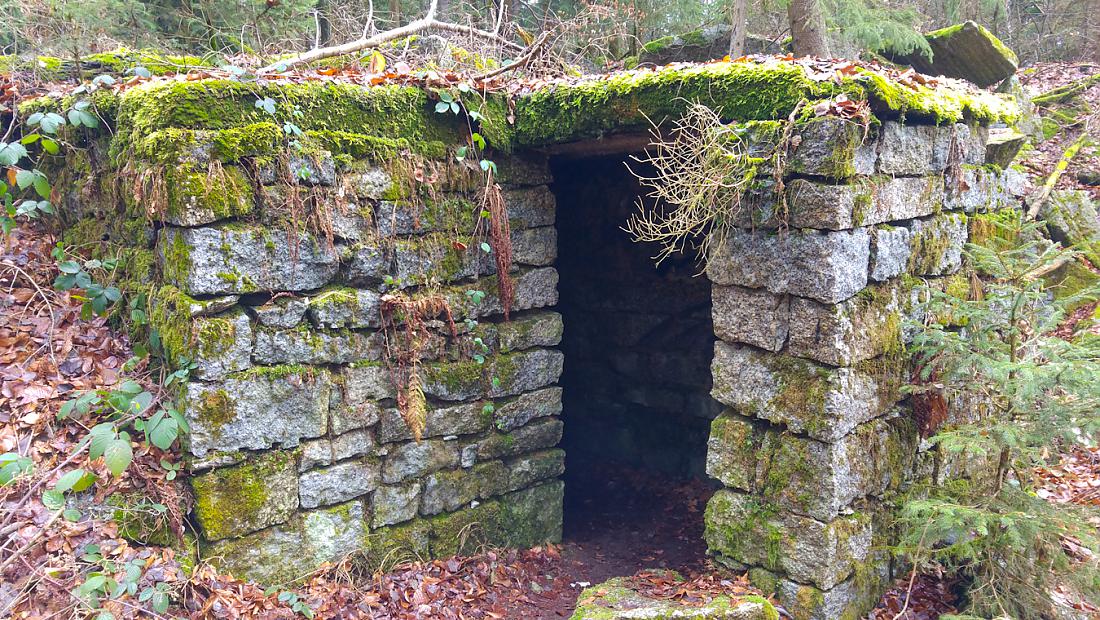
[269,245]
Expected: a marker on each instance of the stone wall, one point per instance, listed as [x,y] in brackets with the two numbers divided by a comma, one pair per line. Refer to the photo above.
[300,453]
[817,439]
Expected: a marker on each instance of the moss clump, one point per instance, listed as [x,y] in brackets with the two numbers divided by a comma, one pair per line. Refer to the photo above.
[139,519]
[271,373]
[236,500]
[212,195]
[395,112]
[176,260]
[215,408]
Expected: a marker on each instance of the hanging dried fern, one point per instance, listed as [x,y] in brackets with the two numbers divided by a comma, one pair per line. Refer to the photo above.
[500,240]
[406,333]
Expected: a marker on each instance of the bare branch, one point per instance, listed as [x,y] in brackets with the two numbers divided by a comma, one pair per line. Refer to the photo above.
[427,22]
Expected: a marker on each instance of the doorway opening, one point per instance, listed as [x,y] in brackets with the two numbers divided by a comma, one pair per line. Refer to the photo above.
[636,387]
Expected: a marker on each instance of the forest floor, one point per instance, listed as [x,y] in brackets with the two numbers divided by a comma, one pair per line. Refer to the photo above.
[49,353]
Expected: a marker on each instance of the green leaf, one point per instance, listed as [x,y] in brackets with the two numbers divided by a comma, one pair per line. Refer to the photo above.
[460,153]
[68,267]
[66,482]
[24,178]
[478,140]
[164,433]
[442,107]
[53,500]
[72,515]
[485,247]
[11,153]
[117,456]
[42,186]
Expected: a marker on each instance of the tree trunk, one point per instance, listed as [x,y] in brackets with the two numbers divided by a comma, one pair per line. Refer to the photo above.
[738,24]
[1093,17]
[444,9]
[324,27]
[807,28]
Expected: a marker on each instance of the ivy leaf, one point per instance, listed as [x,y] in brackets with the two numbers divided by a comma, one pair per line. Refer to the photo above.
[117,456]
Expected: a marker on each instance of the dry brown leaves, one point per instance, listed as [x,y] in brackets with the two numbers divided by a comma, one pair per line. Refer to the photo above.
[1076,479]
[694,591]
[929,598]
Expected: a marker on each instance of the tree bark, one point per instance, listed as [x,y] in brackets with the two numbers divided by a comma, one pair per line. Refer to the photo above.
[1093,17]
[807,28]
[738,25]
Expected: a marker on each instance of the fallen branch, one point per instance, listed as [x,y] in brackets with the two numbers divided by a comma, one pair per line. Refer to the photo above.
[428,22]
[1036,202]
[1057,95]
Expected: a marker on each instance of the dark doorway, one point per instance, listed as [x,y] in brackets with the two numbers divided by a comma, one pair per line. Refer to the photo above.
[637,408]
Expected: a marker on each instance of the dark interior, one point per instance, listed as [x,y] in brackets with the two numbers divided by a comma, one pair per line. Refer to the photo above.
[638,344]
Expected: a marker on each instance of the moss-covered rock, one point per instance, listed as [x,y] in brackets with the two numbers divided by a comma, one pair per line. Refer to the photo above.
[617,600]
[245,498]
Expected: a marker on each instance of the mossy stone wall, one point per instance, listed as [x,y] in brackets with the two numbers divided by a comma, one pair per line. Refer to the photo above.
[265,256]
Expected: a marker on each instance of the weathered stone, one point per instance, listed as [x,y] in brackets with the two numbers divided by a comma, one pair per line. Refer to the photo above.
[222,345]
[966,51]
[862,202]
[732,450]
[304,345]
[214,261]
[536,329]
[851,599]
[394,503]
[352,403]
[245,498]
[617,600]
[534,288]
[825,403]
[461,419]
[372,182]
[321,452]
[198,198]
[339,483]
[353,308]
[754,317]
[542,433]
[906,149]
[741,529]
[1071,218]
[525,470]
[821,480]
[936,244]
[889,252]
[257,409]
[516,412]
[958,144]
[710,43]
[501,375]
[827,266]
[529,207]
[415,459]
[282,312]
[980,189]
[450,490]
[858,329]
[537,247]
[286,552]
[1003,146]
[365,264]
[525,168]
[831,147]
[312,169]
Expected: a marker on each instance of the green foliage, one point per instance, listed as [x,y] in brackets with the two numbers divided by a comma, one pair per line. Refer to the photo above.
[1042,395]
[876,27]
[110,580]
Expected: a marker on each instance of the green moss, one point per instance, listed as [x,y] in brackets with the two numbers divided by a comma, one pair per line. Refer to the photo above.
[176,265]
[393,112]
[801,388]
[138,519]
[215,408]
[224,194]
[736,525]
[994,227]
[281,371]
[232,499]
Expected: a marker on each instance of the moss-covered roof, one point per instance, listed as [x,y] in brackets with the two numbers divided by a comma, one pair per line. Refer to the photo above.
[539,113]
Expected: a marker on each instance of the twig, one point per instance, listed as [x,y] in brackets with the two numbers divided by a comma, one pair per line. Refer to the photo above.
[1039,199]
[32,542]
[517,63]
